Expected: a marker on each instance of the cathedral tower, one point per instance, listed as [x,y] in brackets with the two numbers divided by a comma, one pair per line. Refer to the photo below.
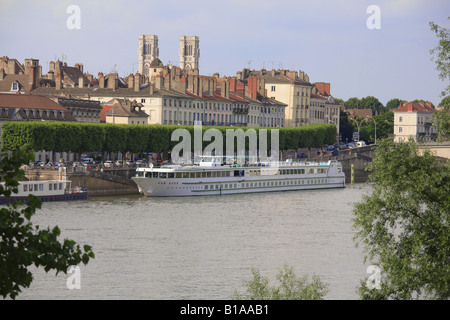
[189,52]
[148,51]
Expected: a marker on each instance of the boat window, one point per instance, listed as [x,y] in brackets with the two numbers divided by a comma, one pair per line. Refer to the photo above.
[178,175]
[185,174]
[35,187]
[238,173]
[206,187]
[170,175]
[203,174]
[162,174]
[25,187]
[217,186]
[60,186]
[50,186]
[155,174]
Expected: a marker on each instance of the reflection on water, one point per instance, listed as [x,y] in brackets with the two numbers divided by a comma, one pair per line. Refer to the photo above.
[204,247]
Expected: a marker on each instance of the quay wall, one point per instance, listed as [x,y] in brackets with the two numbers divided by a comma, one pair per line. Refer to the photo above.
[113,182]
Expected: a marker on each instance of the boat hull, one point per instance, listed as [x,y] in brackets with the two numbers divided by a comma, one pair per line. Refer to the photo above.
[50,198]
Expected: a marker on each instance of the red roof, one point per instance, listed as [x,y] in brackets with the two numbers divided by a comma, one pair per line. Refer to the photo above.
[415,107]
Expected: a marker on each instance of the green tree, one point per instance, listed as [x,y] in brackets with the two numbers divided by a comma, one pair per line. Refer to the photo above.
[441,54]
[441,121]
[393,104]
[23,244]
[403,223]
[290,287]
[445,102]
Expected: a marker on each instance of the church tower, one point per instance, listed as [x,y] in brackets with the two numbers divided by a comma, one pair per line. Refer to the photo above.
[189,52]
[148,51]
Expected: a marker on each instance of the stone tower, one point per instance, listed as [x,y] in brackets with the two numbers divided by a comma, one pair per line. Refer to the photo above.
[148,51]
[189,52]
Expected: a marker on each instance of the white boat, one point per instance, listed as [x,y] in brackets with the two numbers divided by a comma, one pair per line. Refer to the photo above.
[210,177]
[47,190]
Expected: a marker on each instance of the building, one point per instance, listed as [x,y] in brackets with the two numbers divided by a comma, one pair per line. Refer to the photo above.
[124,111]
[291,88]
[18,78]
[82,110]
[323,108]
[189,53]
[21,107]
[413,120]
[148,51]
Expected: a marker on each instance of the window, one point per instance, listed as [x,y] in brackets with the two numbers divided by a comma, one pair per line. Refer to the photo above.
[272,88]
[399,129]
[400,119]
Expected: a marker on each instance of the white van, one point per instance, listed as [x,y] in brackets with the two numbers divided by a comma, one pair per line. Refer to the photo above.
[360,144]
[87,160]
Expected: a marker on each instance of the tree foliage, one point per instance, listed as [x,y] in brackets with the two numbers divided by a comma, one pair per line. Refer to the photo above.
[441,54]
[23,244]
[369,102]
[290,287]
[404,223]
[90,137]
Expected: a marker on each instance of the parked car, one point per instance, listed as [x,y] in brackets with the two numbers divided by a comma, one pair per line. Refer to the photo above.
[119,163]
[130,163]
[141,163]
[108,164]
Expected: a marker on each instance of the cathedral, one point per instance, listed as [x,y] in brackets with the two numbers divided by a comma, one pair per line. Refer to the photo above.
[148,53]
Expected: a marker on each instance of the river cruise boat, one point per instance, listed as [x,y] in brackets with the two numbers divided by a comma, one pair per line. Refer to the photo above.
[47,190]
[211,177]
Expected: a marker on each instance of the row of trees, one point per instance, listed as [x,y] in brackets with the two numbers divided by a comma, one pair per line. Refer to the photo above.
[93,137]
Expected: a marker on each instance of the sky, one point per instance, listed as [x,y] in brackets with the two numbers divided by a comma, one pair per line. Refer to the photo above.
[328,39]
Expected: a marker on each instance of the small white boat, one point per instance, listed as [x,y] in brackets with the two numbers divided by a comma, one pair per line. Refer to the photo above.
[47,190]
[211,177]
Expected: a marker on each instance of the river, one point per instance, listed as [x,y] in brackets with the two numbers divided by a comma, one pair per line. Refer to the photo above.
[204,247]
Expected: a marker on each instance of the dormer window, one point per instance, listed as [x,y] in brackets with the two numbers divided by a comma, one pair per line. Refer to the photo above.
[15,86]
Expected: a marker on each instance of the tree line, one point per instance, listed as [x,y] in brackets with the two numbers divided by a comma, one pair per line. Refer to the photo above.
[95,137]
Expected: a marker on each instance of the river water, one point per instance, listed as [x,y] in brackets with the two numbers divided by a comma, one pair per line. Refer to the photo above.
[204,247]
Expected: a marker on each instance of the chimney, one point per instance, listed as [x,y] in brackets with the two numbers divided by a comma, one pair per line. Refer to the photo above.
[152,88]
[101,80]
[81,82]
[32,76]
[232,84]
[262,87]
[58,81]
[2,74]
[252,87]
[159,82]
[137,81]
[51,66]
[130,81]
[113,81]
[167,82]
[12,67]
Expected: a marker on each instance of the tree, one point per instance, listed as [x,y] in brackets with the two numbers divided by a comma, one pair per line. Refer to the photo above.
[404,223]
[290,287]
[393,104]
[23,244]
[441,54]
[445,102]
[441,121]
